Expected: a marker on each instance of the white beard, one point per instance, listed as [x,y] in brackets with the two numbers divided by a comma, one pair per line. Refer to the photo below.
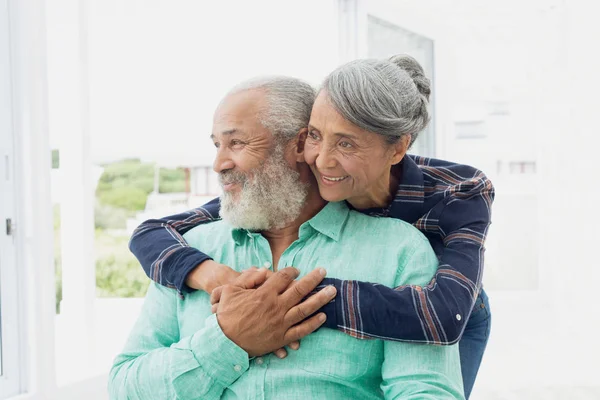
[271,199]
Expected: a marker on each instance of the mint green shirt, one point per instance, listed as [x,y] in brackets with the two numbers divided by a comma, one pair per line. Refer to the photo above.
[178,351]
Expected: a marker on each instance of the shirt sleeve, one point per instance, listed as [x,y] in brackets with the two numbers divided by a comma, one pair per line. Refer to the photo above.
[438,311]
[417,370]
[165,256]
[157,364]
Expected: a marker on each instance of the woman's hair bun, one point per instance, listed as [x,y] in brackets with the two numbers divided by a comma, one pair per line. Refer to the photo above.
[415,71]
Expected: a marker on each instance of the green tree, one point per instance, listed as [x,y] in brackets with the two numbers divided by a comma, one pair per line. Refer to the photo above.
[129,198]
[123,190]
[126,184]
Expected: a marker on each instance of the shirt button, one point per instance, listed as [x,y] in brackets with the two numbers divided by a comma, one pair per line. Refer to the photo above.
[237,368]
[267,265]
[458,317]
[259,361]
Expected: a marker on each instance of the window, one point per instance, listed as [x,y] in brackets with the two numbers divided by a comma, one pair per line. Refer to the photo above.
[145,153]
[385,39]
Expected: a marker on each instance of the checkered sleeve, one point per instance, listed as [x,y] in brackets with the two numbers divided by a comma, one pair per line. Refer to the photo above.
[162,251]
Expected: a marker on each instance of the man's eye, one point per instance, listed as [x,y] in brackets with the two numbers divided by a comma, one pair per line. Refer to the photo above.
[236,142]
[346,145]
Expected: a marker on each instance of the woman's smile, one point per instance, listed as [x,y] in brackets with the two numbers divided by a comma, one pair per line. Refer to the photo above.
[333,180]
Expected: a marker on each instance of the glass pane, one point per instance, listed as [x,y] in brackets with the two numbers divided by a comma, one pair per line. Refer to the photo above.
[384,40]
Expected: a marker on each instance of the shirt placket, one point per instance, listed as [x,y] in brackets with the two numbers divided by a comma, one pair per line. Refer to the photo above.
[260,365]
[262,251]
[288,258]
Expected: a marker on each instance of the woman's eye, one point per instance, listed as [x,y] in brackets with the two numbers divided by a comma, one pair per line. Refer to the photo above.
[313,135]
[346,145]
[236,143]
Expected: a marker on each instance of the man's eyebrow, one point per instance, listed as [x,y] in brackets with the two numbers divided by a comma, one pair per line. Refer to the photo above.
[226,132]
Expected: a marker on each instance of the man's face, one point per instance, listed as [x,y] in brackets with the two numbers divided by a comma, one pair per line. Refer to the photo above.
[261,190]
[242,142]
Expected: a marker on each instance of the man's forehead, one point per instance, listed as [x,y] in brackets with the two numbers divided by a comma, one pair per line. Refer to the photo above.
[233,125]
[239,112]
[242,103]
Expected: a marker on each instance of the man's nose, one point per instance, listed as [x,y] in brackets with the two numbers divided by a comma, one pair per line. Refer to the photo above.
[222,161]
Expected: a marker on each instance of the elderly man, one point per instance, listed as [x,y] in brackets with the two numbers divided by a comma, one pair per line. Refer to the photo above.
[273,214]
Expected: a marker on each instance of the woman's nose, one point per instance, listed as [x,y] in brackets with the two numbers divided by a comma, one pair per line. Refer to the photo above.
[325,160]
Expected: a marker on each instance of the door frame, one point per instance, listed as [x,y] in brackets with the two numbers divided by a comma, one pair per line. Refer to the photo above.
[10,325]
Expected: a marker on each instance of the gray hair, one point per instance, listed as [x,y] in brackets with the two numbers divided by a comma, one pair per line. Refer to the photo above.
[289,104]
[388,97]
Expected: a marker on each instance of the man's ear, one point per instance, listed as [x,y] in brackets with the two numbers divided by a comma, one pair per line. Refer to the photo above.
[400,149]
[300,141]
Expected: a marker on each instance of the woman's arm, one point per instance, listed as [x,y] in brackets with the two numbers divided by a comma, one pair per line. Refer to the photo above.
[437,312]
[158,364]
[434,313]
[160,248]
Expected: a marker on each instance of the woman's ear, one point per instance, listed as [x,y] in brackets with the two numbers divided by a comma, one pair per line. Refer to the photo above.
[300,141]
[400,148]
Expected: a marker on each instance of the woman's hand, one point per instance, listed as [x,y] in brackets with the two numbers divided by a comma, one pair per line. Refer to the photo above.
[209,275]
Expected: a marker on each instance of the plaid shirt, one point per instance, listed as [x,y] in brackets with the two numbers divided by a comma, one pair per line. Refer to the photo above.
[449,203]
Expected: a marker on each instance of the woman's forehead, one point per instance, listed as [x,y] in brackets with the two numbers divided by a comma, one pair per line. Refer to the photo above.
[328,120]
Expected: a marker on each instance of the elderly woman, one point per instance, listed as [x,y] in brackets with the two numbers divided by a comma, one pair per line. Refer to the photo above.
[364,119]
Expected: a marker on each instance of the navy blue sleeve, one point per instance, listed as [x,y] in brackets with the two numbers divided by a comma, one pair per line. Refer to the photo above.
[163,253]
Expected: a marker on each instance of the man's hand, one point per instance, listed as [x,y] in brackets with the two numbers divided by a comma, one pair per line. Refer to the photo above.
[267,318]
[209,275]
[250,279]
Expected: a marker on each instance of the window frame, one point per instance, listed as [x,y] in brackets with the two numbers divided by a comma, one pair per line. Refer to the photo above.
[10,325]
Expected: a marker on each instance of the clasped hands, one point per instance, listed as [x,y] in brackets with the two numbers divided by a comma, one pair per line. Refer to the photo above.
[262,311]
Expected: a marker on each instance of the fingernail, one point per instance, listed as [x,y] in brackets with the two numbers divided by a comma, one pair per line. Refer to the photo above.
[322,317]
[322,271]
[330,290]
[294,346]
[280,354]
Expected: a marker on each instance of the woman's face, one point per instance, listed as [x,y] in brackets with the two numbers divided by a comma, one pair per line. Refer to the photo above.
[348,162]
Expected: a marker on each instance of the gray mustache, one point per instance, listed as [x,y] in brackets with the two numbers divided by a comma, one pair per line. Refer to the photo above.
[231,177]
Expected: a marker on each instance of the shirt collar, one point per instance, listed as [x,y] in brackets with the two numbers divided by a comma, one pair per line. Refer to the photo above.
[408,200]
[329,221]
[239,235]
